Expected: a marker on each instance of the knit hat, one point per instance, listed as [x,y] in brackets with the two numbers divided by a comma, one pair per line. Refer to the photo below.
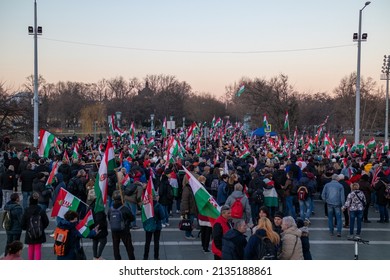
[279,214]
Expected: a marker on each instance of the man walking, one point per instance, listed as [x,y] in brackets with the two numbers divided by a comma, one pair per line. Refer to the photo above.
[333,195]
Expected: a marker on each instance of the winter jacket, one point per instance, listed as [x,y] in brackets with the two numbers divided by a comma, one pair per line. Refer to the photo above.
[28,213]
[8,180]
[44,192]
[165,191]
[233,244]
[245,203]
[380,188]
[221,226]
[222,193]
[188,204]
[16,212]
[27,177]
[291,244]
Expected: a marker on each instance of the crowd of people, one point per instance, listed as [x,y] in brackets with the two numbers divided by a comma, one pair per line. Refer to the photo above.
[265,198]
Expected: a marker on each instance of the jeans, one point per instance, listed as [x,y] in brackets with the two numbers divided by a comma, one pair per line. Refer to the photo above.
[305,208]
[334,210]
[133,208]
[255,212]
[358,214]
[191,217]
[166,214]
[290,207]
[26,197]
[383,213]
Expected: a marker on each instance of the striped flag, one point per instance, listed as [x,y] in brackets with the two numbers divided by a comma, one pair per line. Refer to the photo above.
[53,173]
[65,201]
[84,225]
[240,90]
[45,141]
[107,164]
[207,206]
[286,124]
[147,207]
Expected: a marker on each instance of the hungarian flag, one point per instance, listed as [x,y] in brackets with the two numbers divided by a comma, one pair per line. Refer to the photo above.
[286,124]
[65,201]
[240,90]
[107,164]
[126,180]
[53,172]
[147,207]
[265,121]
[75,154]
[198,150]
[371,143]
[84,225]
[245,153]
[151,142]
[164,132]
[207,206]
[45,141]
[66,157]
[132,130]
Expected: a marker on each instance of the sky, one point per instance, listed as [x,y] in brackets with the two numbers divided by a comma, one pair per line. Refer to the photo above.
[209,44]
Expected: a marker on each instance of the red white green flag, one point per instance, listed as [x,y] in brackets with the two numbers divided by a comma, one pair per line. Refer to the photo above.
[245,153]
[53,172]
[371,143]
[207,206]
[147,207]
[198,148]
[84,225]
[240,90]
[107,164]
[45,141]
[66,157]
[265,121]
[65,201]
[164,132]
[286,124]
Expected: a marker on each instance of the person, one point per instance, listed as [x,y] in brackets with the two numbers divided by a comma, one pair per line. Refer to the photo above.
[355,203]
[156,232]
[44,192]
[239,194]
[264,212]
[99,241]
[69,222]
[124,234]
[165,193]
[134,200]
[26,178]
[234,242]
[277,222]
[264,236]
[288,195]
[8,183]
[291,240]
[222,193]
[333,195]
[34,242]
[220,227]
[16,213]
[365,187]
[188,206]
[347,190]
[256,196]
[13,251]
[382,201]
[303,226]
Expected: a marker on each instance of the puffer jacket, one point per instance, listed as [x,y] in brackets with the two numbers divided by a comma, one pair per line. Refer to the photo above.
[291,244]
[16,212]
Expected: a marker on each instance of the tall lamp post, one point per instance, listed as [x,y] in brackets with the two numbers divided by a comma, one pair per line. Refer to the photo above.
[359,37]
[385,76]
[36,30]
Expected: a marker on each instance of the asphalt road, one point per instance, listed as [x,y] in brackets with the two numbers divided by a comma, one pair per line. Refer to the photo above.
[173,245]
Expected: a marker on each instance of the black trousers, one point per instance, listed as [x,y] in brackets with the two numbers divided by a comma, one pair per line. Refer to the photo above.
[148,240]
[205,235]
[125,236]
[98,246]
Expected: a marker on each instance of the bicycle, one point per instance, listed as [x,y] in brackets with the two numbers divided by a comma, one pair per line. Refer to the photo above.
[358,240]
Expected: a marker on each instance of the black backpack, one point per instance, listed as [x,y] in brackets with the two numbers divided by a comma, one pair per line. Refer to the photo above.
[116,220]
[266,249]
[258,196]
[214,185]
[34,227]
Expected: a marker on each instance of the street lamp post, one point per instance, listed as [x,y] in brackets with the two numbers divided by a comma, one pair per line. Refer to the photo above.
[359,38]
[385,76]
[118,118]
[152,123]
[36,30]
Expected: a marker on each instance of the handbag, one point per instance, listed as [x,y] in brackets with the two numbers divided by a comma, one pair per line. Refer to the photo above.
[185,225]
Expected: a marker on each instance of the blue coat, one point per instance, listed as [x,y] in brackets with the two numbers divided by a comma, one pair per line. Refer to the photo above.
[16,212]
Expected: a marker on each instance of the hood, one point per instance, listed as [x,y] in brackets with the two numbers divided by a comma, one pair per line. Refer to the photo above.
[293,231]
[232,234]
[237,194]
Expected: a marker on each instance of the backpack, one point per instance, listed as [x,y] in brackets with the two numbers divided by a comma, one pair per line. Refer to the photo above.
[387,190]
[258,196]
[237,209]
[73,187]
[302,193]
[214,185]
[34,227]
[116,220]
[266,249]
[61,241]
[7,222]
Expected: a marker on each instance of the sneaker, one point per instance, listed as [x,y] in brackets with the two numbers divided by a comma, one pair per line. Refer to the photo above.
[350,236]
[52,235]
[166,224]
[357,236]
[339,235]
[206,250]
[163,225]
[190,237]
[177,212]
[135,227]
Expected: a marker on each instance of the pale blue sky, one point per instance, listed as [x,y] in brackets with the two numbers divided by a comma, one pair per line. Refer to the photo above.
[208,44]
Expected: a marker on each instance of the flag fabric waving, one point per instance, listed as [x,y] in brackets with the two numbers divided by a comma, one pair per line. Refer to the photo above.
[286,124]
[206,204]
[147,207]
[45,141]
[240,90]
[65,201]
[84,225]
[107,164]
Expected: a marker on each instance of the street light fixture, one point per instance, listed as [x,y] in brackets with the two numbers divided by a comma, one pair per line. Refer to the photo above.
[385,76]
[36,30]
[359,39]
[118,118]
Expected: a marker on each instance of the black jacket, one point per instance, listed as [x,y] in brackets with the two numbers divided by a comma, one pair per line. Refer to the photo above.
[28,213]
[27,177]
[233,244]
[8,180]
